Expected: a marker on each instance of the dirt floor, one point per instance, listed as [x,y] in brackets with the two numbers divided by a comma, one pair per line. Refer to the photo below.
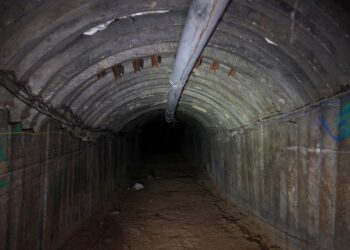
[175,210]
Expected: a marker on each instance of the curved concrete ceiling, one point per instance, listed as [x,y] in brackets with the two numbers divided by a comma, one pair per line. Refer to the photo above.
[266,57]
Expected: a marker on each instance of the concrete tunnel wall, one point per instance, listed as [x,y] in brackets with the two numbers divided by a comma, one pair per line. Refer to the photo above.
[270,71]
[288,172]
[50,182]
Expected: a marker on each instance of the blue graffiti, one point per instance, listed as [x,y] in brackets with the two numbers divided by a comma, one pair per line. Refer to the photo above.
[342,122]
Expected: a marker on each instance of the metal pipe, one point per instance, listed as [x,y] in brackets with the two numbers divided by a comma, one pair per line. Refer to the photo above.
[202,18]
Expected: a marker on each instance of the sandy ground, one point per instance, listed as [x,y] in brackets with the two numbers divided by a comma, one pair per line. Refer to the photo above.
[175,210]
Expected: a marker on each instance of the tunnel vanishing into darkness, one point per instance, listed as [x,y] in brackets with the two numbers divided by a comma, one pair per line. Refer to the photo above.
[265,112]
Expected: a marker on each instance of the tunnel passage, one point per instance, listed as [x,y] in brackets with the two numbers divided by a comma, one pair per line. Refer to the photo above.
[160,137]
[268,99]
[153,142]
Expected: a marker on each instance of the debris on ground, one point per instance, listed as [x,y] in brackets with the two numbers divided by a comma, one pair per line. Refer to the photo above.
[138,186]
[177,210]
[116,212]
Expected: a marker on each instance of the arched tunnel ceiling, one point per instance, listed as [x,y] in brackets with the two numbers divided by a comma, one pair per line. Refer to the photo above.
[266,57]
[192,121]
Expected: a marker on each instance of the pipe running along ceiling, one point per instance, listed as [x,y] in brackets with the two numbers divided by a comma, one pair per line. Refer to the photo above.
[202,18]
[107,63]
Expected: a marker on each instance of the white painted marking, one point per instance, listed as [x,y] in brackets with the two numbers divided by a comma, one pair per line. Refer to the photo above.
[104,26]
[270,42]
[97,28]
[311,150]
[146,13]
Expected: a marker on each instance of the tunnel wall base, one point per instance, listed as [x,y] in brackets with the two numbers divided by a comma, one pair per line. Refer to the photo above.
[291,173]
[50,183]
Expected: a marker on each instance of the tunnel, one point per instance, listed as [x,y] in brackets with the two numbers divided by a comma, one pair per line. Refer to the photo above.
[262,126]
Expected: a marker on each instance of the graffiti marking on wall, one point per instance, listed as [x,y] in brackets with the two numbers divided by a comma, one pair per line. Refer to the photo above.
[3,180]
[342,122]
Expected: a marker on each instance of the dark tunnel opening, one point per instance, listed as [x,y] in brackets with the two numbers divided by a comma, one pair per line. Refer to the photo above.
[161,149]
[160,137]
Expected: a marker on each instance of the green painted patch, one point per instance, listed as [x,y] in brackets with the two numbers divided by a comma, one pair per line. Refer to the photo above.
[2,154]
[17,128]
[4,184]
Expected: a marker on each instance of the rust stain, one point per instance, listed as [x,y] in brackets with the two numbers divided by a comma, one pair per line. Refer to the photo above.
[215,65]
[118,71]
[156,59]
[232,72]
[101,74]
[137,64]
[199,62]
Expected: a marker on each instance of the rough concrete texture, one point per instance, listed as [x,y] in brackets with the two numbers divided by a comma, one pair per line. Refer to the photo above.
[50,183]
[290,172]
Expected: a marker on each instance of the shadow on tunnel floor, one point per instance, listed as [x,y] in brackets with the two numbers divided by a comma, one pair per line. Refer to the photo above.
[176,209]
[163,166]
